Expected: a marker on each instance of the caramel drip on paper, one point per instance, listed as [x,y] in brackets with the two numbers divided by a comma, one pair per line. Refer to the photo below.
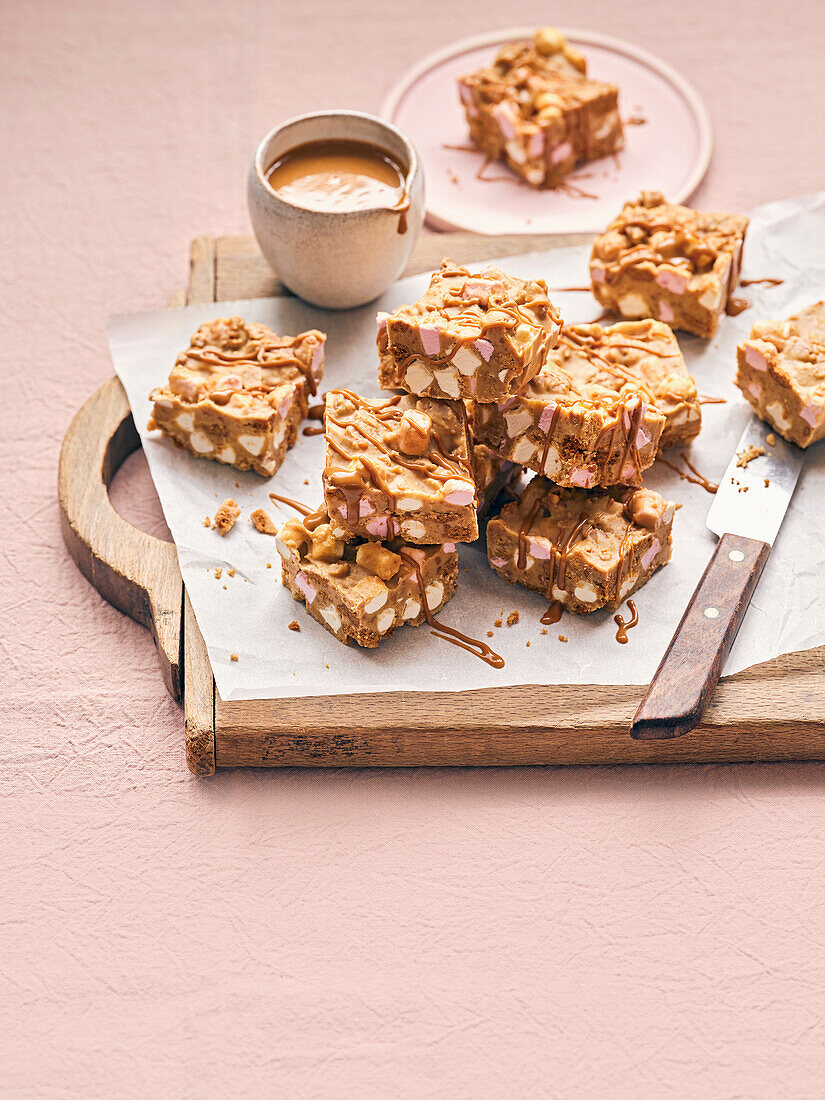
[766,281]
[736,306]
[552,614]
[448,633]
[697,479]
[317,429]
[623,625]
[703,400]
[296,504]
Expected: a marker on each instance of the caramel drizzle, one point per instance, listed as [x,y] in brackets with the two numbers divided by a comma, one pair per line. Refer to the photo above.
[559,552]
[624,625]
[697,479]
[448,633]
[296,504]
[213,356]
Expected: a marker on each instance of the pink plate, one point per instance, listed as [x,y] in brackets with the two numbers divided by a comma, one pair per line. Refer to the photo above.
[670,152]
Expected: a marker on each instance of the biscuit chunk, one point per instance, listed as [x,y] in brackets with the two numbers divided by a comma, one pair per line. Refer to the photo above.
[781,371]
[588,550]
[239,392]
[668,262]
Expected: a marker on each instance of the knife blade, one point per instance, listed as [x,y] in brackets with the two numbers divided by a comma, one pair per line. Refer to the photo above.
[746,514]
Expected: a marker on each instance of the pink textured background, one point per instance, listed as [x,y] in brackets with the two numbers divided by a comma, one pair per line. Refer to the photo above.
[647,932]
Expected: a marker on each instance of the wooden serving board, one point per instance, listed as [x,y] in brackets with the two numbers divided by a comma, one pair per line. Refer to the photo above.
[774,711]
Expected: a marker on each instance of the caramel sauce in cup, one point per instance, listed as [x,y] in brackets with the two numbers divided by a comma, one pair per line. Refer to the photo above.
[339,176]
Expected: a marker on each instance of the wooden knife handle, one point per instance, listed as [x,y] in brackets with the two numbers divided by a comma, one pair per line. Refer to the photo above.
[693,662]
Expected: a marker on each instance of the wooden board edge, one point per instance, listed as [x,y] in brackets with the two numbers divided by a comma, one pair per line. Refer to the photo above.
[135,572]
[198,697]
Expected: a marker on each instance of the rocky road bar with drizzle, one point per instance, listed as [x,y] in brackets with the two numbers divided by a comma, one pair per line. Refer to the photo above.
[363,591]
[479,335]
[668,262]
[239,392]
[781,371]
[536,110]
[588,550]
[401,466]
[596,414]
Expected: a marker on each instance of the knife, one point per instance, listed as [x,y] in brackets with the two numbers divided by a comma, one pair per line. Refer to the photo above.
[746,514]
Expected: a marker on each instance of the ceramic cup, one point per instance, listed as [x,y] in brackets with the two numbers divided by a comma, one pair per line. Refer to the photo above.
[337,260]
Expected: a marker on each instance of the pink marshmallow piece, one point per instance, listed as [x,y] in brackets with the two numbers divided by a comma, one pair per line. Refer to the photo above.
[303,584]
[811,414]
[499,563]
[448,548]
[484,349]
[666,312]
[430,340]
[540,548]
[651,553]
[755,359]
[378,526]
[547,416]
[672,281]
[561,152]
[582,478]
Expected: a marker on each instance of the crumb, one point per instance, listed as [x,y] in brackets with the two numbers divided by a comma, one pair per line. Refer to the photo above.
[263,522]
[269,565]
[767,482]
[231,572]
[326,666]
[207,522]
[306,481]
[770,439]
[225,516]
[237,484]
[295,625]
[748,455]
[233,656]
[489,633]
[218,572]
[512,618]
[562,637]
[497,622]
[224,588]
[544,631]
[527,643]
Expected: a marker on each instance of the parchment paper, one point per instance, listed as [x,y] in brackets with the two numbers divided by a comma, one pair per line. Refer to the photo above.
[247,614]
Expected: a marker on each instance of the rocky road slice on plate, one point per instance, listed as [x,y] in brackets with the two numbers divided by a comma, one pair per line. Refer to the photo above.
[781,371]
[536,110]
[588,550]
[239,392]
[363,591]
[399,466]
[668,262]
[481,335]
[598,412]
